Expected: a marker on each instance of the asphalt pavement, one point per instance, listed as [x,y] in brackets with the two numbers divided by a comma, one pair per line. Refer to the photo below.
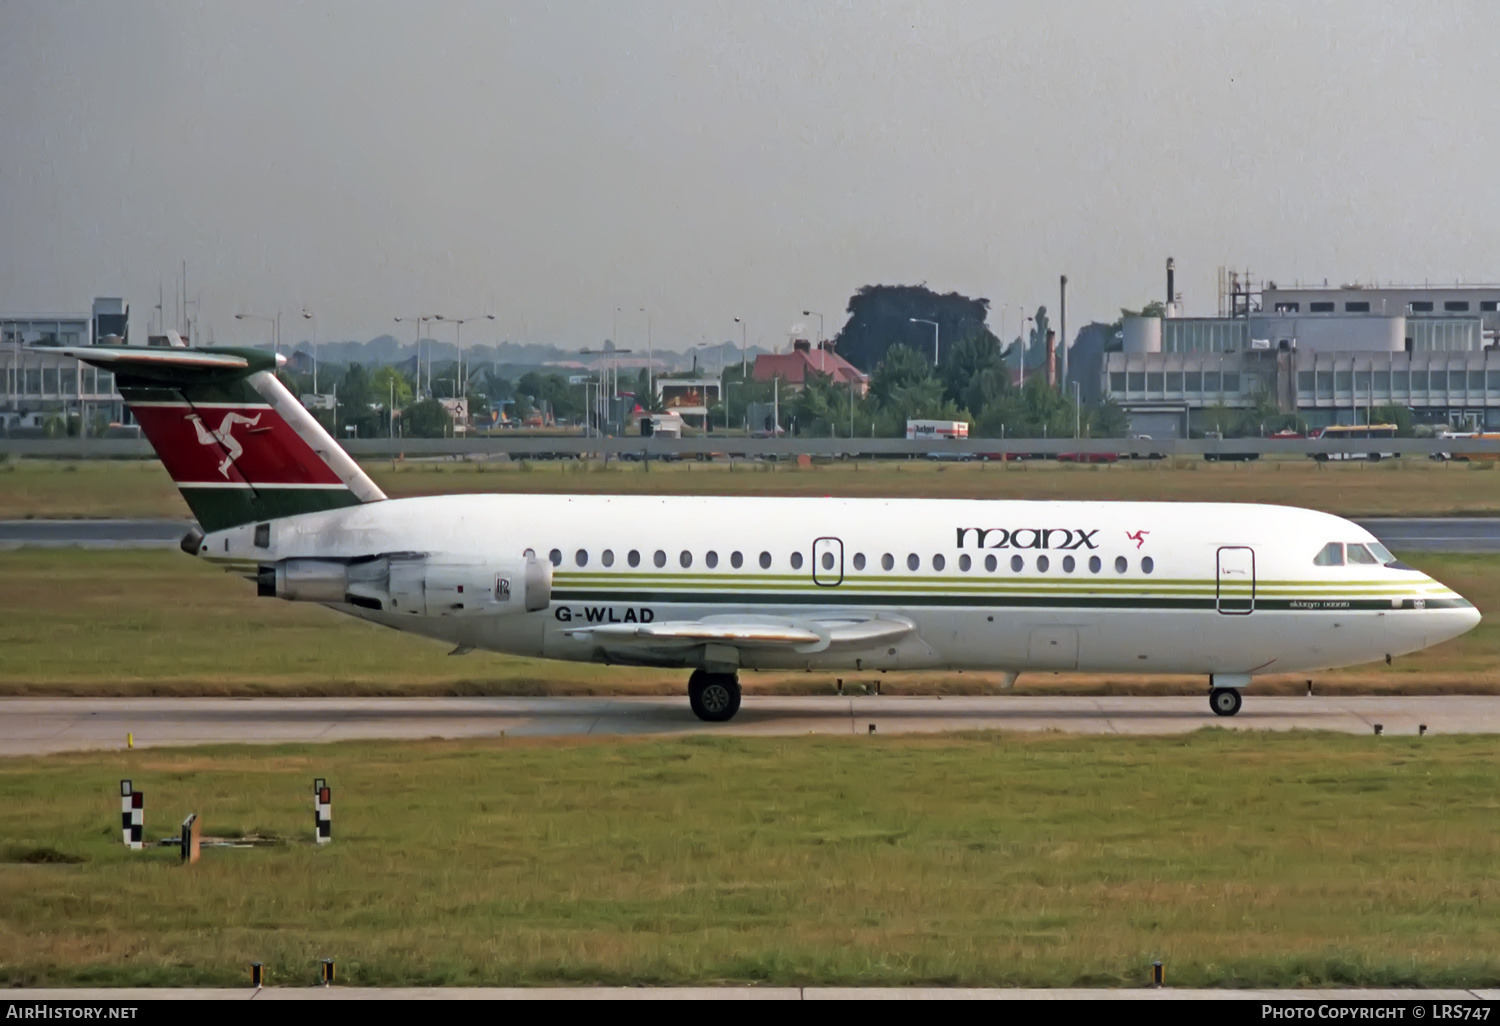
[1406,534]
[36,726]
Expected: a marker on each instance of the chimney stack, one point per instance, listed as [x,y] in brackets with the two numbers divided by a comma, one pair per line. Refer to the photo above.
[1171,291]
[1051,358]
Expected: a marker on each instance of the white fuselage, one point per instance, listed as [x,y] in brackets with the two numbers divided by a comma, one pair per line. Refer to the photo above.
[1228,590]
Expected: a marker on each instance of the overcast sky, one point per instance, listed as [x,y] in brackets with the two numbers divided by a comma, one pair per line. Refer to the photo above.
[550,162]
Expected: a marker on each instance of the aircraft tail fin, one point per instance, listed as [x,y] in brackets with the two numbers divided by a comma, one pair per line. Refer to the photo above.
[239,445]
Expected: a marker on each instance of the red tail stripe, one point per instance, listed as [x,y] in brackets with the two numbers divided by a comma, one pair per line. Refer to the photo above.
[237,445]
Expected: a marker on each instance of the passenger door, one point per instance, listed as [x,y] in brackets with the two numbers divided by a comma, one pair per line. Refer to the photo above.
[1235,594]
[828,562]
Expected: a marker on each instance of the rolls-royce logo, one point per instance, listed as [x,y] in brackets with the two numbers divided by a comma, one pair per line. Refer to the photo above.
[1027,537]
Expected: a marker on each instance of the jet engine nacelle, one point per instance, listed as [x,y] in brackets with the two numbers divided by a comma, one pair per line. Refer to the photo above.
[414,583]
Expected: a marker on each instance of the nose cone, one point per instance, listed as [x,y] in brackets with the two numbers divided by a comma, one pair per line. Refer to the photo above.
[1458,616]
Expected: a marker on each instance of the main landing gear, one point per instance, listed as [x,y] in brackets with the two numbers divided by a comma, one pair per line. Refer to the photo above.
[1225,701]
[715,697]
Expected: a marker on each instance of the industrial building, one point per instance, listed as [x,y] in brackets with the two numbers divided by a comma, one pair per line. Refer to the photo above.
[37,386]
[1330,355]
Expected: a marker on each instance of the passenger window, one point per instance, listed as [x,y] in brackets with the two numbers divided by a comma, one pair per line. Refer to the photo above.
[607,557]
[913,562]
[1017,563]
[1042,563]
[938,562]
[555,556]
[1360,554]
[1331,554]
[660,559]
[765,561]
[1147,564]
[828,561]
[634,559]
[1121,565]
[796,561]
[887,562]
[990,563]
[859,561]
[736,560]
[964,562]
[1068,564]
[711,559]
[685,560]
[1095,564]
[581,557]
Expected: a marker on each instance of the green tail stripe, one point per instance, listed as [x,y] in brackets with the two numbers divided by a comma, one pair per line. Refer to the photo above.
[220,508]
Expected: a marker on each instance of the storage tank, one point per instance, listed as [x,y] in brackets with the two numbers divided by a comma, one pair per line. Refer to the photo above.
[1142,334]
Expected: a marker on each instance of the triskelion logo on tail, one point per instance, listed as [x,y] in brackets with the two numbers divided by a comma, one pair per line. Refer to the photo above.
[224,436]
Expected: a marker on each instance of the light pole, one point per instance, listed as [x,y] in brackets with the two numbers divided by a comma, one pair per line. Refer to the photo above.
[744,359]
[419,319]
[921,320]
[814,313]
[1025,338]
[275,323]
[459,323]
[609,355]
[309,317]
[1077,414]
[650,358]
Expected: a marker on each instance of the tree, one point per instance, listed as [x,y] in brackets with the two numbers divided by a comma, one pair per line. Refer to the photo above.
[880,317]
[1393,414]
[904,388]
[426,419]
[1107,419]
[359,405]
[974,375]
[387,380]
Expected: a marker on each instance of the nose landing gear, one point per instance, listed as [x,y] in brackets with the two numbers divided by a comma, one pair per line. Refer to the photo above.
[1225,701]
[715,697]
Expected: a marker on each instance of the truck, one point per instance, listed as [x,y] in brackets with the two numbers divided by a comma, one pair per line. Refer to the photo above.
[936,429]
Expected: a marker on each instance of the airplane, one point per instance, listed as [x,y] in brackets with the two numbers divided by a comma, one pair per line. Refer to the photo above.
[717,586]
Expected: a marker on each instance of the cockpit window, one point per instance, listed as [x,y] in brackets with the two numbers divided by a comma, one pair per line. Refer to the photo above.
[1381,553]
[1331,554]
[1360,554]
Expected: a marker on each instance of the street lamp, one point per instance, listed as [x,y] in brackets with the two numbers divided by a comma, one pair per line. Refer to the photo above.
[610,361]
[459,322]
[744,360]
[650,358]
[814,313]
[419,319]
[921,320]
[275,323]
[1025,338]
[309,317]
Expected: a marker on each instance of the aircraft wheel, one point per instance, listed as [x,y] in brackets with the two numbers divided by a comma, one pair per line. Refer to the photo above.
[1225,701]
[715,697]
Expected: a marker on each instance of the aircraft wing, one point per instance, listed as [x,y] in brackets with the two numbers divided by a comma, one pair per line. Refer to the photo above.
[751,632]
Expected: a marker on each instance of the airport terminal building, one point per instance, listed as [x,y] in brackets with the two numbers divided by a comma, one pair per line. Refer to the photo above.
[1332,355]
[37,387]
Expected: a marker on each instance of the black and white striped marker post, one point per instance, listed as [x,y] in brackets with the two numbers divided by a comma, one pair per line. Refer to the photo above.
[132,815]
[322,811]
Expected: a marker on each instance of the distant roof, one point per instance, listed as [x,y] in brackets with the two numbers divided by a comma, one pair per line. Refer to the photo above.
[795,365]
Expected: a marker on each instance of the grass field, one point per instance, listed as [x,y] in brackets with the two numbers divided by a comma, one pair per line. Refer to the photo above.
[1237,859]
[35,488]
[143,623]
